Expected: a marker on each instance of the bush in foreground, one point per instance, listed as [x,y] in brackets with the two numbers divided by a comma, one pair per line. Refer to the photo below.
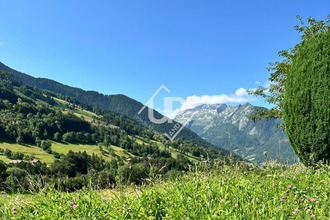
[307,99]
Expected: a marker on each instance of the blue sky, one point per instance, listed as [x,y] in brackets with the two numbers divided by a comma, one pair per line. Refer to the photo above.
[208,48]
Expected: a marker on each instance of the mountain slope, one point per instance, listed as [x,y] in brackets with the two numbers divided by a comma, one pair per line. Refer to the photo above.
[30,116]
[231,128]
[50,140]
[117,103]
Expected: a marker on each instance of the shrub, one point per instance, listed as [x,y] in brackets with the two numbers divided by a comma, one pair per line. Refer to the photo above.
[306,101]
[46,145]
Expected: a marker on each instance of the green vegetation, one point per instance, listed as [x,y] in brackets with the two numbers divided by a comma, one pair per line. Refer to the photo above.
[107,153]
[62,148]
[4,158]
[61,142]
[307,99]
[96,102]
[33,116]
[168,147]
[228,192]
[77,170]
[30,150]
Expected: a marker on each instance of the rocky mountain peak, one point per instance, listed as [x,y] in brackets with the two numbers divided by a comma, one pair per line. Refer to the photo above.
[206,108]
[230,127]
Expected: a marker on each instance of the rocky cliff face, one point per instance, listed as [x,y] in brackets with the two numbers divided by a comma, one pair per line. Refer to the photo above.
[230,127]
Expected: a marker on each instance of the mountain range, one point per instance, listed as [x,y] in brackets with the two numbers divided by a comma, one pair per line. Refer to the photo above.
[230,127]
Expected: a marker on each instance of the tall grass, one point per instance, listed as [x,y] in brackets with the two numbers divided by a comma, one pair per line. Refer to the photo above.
[228,192]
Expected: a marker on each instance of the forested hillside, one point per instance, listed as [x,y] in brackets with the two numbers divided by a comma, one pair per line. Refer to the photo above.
[117,103]
[40,120]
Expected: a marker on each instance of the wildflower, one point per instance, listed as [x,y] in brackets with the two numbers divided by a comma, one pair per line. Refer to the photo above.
[222,200]
[273,185]
[313,200]
[117,208]
[308,210]
[14,212]
[21,208]
[312,216]
[13,208]
[71,203]
[296,211]
[74,206]
[326,183]
[283,197]
[236,205]
[289,186]
[78,195]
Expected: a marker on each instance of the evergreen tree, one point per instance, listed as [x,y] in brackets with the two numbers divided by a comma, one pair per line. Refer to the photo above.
[307,98]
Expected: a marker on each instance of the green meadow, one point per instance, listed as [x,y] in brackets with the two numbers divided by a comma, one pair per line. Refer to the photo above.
[62,148]
[26,149]
[228,192]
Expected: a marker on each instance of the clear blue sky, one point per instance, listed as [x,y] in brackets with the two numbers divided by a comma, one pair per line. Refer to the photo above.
[202,47]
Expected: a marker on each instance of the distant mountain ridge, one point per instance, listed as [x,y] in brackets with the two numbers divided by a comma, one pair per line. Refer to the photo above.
[117,103]
[231,128]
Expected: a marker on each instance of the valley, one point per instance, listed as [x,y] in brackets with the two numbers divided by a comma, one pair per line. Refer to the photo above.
[171,110]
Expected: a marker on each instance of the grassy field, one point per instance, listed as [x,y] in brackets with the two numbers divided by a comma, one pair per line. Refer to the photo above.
[230,192]
[61,102]
[64,148]
[88,116]
[28,150]
[4,159]
[90,149]
[174,152]
[61,148]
